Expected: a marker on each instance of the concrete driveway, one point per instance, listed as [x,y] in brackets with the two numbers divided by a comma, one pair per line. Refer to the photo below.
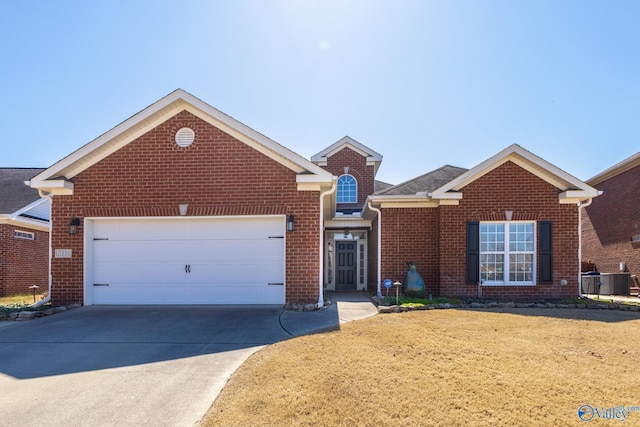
[151,365]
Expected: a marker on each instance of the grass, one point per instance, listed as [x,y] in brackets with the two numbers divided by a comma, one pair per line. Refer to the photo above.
[13,303]
[442,367]
[23,299]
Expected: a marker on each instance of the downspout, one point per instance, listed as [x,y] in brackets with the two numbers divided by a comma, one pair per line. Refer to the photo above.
[581,205]
[321,274]
[379,261]
[48,298]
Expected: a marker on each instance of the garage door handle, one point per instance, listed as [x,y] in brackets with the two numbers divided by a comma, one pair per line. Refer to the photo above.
[187,268]
[275,284]
[100,284]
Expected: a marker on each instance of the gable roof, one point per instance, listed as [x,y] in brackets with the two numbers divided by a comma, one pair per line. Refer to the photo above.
[380,185]
[428,182]
[20,205]
[56,178]
[444,185]
[620,167]
[14,194]
[572,189]
[373,158]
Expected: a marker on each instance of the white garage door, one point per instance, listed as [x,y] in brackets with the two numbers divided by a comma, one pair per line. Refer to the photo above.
[186,261]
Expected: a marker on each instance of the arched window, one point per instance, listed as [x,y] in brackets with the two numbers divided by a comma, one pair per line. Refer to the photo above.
[347,189]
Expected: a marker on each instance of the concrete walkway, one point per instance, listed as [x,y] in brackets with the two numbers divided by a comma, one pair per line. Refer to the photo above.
[345,307]
[141,366]
[614,298]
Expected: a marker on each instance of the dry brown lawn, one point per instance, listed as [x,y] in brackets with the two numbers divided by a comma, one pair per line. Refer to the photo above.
[443,368]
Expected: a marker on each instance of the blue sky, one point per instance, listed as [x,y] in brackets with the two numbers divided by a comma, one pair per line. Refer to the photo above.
[424,83]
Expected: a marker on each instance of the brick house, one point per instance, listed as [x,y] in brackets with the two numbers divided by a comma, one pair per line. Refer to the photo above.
[24,233]
[611,224]
[181,204]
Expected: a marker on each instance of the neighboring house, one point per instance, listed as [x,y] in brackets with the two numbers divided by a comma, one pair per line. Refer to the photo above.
[181,204]
[24,233]
[611,225]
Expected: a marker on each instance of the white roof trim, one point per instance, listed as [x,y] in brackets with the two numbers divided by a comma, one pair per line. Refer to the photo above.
[534,164]
[150,117]
[23,222]
[373,158]
[620,167]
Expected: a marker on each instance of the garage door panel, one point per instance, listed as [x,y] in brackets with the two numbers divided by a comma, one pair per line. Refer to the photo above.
[188,261]
[193,295]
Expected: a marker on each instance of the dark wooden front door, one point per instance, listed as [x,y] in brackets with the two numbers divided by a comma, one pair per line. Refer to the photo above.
[346,266]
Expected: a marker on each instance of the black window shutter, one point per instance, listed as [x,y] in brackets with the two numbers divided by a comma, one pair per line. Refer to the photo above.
[545,254]
[473,252]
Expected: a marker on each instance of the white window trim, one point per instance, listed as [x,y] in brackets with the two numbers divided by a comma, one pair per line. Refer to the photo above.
[506,253]
[356,189]
[21,234]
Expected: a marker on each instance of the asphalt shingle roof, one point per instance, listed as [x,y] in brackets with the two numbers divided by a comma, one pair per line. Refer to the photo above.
[428,182]
[14,194]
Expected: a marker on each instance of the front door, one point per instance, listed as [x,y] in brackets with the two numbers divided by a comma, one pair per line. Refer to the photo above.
[346,266]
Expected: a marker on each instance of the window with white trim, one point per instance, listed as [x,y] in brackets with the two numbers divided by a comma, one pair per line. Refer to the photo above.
[19,234]
[507,253]
[347,189]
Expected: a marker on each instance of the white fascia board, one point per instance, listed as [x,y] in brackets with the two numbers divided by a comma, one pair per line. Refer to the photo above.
[576,196]
[371,155]
[23,222]
[310,182]
[338,223]
[620,167]
[56,187]
[403,201]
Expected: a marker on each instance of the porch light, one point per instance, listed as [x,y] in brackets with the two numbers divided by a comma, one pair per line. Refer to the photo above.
[290,223]
[73,225]
[346,232]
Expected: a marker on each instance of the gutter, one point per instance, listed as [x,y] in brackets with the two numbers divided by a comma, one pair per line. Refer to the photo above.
[580,207]
[334,185]
[379,261]
[48,298]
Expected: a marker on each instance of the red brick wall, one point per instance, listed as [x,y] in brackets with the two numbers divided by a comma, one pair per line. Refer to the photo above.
[216,175]
[611,221]
[357,163]
[509,187]
[409,234]
[23,262]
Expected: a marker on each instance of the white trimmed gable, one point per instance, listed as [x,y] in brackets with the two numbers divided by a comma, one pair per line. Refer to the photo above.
[373,158]
[55,179]
[572,190]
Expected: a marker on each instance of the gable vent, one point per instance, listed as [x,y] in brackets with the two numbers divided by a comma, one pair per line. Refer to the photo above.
[185,137]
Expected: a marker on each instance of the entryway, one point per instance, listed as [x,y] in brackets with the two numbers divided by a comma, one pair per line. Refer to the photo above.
[346,254]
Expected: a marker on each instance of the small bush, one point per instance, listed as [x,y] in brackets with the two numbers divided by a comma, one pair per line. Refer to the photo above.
[416,302]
